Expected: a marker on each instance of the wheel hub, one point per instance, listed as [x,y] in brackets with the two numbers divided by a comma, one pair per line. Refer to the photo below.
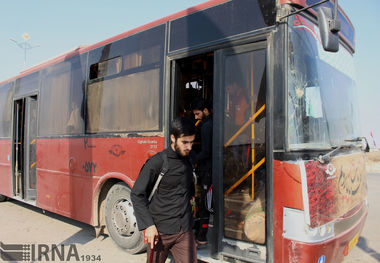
[123,218]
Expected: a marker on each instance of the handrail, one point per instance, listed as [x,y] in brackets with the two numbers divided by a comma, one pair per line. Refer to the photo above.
[254,168]
[251,119]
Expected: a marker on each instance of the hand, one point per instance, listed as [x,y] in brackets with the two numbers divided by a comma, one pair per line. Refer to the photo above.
[151,235]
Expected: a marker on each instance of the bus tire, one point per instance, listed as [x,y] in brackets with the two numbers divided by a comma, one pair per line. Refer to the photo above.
[121,221]
[3,198]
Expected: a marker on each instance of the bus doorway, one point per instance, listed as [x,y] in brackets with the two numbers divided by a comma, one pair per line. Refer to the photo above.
[193,90]
[234,80]
[24,148]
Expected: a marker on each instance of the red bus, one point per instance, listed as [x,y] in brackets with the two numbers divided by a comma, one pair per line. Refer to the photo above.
[289,175]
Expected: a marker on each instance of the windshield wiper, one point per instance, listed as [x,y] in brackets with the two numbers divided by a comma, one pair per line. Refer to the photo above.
[364,143]
[357,139]
[325,158]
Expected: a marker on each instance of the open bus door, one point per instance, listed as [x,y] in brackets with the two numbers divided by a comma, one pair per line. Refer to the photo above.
[239,153]
[234,79]
[24,147]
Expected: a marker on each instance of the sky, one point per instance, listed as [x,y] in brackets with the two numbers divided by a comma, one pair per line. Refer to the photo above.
[56,26]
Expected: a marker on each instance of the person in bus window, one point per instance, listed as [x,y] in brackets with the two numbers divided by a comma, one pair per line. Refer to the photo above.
[238,104]
[203,111]
[238,114]
[167,219]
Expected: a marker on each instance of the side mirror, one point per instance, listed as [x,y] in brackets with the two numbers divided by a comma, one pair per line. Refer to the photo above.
[328,28]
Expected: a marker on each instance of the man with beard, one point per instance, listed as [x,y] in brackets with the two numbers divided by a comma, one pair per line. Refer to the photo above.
[167,220]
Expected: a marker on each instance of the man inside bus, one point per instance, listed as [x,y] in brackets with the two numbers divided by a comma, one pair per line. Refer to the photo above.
[237,114]
[203,111]
[167,219]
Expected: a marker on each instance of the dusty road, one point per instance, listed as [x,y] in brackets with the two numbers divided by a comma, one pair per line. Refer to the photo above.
[24,224]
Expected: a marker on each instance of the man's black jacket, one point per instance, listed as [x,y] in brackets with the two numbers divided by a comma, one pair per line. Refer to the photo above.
[204,157]
[170,208]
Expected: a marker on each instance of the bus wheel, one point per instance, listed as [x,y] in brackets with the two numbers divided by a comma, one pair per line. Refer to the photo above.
[3,198]
[121,221]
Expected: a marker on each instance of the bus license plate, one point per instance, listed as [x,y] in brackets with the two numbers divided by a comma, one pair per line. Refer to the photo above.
[353,242]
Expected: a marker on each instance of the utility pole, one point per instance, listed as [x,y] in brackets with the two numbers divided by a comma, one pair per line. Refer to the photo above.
[25,45]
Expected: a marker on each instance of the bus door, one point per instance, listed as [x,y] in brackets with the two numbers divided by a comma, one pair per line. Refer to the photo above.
[24,147]
[239,173]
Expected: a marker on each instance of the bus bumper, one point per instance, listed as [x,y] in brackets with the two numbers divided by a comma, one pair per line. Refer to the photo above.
[332,250]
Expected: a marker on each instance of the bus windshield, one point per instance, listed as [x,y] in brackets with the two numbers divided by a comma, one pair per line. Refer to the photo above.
[322,107]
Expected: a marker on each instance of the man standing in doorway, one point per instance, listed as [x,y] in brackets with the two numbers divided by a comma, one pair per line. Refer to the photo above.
[203,111]
[167,220]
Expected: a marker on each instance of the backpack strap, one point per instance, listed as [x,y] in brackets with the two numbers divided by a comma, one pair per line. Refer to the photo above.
[164,170]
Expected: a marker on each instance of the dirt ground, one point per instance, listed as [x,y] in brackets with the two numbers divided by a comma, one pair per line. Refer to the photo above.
[23,224]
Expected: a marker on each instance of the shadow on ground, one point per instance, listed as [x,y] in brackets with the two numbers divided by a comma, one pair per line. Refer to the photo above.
[362,244]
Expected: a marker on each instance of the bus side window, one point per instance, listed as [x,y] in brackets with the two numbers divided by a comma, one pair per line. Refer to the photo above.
[5,110]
